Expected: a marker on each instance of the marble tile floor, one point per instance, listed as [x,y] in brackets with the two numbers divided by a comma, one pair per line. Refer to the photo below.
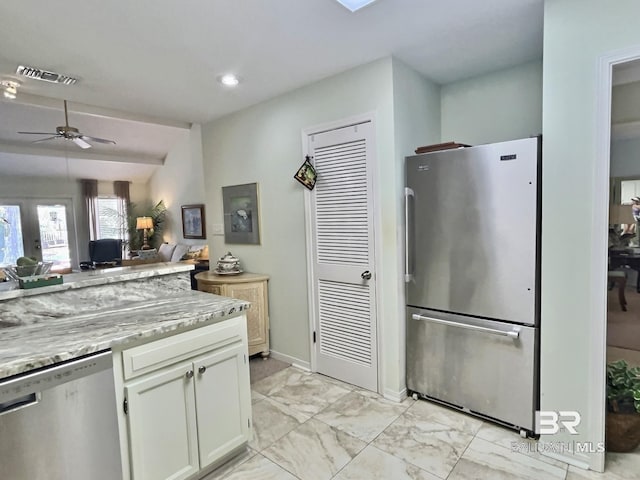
[311,427]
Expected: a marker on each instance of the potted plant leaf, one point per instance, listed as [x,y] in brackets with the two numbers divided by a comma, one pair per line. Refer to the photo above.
[158,214]
[623,407]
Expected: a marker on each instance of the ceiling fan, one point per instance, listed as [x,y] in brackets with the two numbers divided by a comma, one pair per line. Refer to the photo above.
[69,133]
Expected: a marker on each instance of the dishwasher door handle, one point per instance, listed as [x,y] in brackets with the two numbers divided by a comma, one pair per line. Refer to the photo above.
[514,333]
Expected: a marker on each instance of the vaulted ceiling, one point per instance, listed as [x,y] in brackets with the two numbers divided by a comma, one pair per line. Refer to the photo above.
[147,70]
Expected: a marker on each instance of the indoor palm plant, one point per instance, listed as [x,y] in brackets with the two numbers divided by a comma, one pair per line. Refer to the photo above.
[157,212]
[623,407]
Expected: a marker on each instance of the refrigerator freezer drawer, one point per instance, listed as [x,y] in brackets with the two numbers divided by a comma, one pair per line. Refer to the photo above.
[485,366]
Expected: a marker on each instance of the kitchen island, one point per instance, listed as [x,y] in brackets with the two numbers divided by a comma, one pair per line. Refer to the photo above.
[162,338]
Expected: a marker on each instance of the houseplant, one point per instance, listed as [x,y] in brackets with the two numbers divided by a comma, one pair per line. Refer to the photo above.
[623,407]
[157,212]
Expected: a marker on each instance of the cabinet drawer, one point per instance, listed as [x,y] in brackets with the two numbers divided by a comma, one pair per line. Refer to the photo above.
[151,356]
[216,289]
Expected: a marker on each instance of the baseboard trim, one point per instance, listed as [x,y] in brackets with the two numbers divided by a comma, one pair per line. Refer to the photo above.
[296,362]
[394,395]
[580,462]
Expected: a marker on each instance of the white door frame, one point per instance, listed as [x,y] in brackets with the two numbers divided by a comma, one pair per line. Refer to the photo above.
[377,231]
[599,244]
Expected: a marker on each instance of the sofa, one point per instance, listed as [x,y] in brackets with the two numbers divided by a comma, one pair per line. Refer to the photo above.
[170,252]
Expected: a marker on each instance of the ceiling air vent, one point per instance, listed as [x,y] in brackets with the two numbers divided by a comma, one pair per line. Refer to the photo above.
[39,74]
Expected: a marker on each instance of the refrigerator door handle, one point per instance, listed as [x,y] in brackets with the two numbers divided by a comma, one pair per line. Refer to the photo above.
[515,333]
[408,234]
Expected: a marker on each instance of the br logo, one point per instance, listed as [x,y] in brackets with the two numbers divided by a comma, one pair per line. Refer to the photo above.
[549,422]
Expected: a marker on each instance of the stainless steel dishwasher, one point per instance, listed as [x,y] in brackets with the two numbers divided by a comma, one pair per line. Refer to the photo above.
[59,422]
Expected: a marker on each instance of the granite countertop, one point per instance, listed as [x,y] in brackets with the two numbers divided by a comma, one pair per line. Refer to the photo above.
[28,346]
[91,278]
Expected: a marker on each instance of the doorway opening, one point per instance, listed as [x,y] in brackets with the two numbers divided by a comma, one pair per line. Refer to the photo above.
[620,144]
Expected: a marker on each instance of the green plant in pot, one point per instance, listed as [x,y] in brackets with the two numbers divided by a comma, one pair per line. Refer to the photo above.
[158,214]
[623,407]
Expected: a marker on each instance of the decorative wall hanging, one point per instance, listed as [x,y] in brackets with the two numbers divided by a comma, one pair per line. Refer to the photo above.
[193,221]
[241,217]
[306,174]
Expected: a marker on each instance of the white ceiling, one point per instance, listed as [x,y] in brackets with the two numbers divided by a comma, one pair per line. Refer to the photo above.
[160,60]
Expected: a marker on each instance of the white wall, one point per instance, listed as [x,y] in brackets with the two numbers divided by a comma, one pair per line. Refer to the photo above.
[180,182]
[625,158]
[624,103]
[416,114]
[499,106]
[263,144]
[576,34]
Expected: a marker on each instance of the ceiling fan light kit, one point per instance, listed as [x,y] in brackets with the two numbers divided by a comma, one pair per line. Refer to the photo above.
[69,133]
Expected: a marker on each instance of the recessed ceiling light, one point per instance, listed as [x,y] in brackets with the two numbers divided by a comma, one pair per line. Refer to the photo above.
[10,88]
[229,80]
[354,5]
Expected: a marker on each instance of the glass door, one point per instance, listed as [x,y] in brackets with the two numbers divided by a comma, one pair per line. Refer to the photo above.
[38,228]
[53,235]
[11,239]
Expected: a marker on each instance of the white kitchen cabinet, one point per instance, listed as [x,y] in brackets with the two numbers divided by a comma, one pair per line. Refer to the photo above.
[161,414]
[186,401]
[222,413]
[251,287]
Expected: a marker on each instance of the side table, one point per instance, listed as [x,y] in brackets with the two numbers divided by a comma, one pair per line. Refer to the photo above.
[251,287]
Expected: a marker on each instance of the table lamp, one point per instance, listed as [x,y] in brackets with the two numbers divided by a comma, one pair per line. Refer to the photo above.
[621,215]
[144,223]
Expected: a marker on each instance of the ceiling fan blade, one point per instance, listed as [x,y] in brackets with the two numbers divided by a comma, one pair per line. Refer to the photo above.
[46,139]
[96,139]
[39,133]
[80,142]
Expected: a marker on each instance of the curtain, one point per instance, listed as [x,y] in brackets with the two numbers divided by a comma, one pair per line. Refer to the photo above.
[121,189]
[90,195]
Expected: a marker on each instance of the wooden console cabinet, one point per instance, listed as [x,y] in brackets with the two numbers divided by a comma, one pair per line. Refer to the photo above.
[251,287]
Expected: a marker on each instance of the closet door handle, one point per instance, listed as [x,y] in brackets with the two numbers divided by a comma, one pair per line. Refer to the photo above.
[202,369]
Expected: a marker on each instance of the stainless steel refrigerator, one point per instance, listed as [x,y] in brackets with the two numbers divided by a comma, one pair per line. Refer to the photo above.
[473,279]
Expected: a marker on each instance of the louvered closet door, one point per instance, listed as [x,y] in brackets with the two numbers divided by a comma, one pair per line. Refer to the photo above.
[345,309]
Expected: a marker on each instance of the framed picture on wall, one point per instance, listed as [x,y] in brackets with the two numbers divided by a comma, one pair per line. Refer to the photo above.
[193,221]
[241,216]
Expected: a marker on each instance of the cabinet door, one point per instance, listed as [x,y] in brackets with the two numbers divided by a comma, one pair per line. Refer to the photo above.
[254,292]
[223,402]
[162,424]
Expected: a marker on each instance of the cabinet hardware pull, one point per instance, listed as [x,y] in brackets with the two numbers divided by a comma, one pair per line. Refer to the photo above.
[202,369]
[189,373]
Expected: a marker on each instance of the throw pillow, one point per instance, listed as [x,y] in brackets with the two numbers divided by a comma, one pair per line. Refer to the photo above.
[166,251]
[179,252]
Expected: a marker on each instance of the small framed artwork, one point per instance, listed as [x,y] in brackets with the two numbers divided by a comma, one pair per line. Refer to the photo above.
[306,174]
[241,216]
[193,221]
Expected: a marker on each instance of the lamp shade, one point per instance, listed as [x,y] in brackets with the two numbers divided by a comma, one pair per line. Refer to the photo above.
[620,214]
[144,223]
